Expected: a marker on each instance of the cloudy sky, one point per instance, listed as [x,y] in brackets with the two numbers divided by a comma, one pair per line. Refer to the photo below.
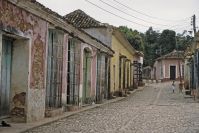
[136,14]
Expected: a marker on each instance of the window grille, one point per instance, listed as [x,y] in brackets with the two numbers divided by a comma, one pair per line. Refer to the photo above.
[73,73]
[98,87]
[55,70]
[120,72]
[128,74]
[107,77]
[101,75]
[124,73]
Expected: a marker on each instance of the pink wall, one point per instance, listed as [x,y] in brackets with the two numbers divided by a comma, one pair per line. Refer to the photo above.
[21,23]
[93,72]
[93,68]
[17,21]
[166,68]
[169,63]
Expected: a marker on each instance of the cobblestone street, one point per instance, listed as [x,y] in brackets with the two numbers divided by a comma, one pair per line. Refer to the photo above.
[154,109]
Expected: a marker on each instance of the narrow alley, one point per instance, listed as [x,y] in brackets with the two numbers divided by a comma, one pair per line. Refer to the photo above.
[153,109]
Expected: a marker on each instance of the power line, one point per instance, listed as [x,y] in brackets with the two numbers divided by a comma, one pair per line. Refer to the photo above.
[115,14]
[182,28]
[123,17]
[179,25]
[145,13]
[131,15]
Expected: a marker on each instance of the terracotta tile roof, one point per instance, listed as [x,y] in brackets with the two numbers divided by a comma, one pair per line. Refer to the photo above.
[173,55]
[81,20]
[65,19]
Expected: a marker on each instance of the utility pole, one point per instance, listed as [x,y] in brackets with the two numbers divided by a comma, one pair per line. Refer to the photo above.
[193,23]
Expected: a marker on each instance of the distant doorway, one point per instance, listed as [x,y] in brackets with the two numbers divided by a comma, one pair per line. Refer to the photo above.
[172,72]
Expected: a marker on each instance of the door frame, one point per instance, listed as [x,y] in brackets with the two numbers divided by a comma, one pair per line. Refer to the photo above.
[87,62]
[5,48]
[26,40]
[175,71]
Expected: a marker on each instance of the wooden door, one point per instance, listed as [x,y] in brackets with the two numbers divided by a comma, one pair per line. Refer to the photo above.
[172,72]
[5,77]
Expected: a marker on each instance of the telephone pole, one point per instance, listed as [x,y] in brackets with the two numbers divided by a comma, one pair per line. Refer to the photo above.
[193,23]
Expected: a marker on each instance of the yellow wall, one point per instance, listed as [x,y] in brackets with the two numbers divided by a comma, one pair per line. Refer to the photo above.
[119,49]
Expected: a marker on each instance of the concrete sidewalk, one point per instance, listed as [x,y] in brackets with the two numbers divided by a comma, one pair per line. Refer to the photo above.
[22,127]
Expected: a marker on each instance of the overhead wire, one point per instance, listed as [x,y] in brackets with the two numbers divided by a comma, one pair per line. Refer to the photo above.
[132,15]
[147,14]
[183,27]
[115,14]
[157,28]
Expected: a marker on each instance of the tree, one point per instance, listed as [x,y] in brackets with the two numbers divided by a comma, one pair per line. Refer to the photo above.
[134,37]
[183,41]
[167,41]
[152,41]
[150,46]
[151,36]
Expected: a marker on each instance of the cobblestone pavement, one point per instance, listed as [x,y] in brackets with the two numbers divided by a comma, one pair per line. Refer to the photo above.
[155,109]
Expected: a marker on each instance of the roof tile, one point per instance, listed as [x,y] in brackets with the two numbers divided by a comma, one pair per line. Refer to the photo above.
[81,20]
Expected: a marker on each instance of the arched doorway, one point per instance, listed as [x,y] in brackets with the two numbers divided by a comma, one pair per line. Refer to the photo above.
[86,76]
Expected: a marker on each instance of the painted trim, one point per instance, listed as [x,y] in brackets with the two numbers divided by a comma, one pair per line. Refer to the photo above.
[164,72]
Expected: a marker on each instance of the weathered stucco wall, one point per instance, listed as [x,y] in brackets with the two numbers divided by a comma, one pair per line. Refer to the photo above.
[168,63]
[103,34]
[93,70]
[166,68]
[19,22]
[119,48]
[19,79]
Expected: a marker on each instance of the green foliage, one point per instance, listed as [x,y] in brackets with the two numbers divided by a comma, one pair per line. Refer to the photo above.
[183,41]
[134,37]
[150,46]
[155,44]
[167,41]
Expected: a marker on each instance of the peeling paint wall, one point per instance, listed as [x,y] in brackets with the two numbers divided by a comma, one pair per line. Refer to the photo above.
[103,34]
[119,49]
[21,23]
[93,70]
[19,79]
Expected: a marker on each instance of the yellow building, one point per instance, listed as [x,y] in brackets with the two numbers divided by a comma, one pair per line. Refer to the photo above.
[121,65]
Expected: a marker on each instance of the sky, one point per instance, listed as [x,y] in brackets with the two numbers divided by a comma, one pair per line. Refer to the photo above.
[136,14]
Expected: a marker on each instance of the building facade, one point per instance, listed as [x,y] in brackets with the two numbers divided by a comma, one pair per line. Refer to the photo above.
[169,67]
[46,63]
[120,67]
[192,67]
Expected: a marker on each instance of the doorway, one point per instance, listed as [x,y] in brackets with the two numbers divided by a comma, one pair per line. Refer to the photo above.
[86,76]
[172,72]
[5,76]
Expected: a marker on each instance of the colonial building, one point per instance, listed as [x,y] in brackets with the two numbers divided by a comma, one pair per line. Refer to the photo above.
[119,69]
[169,66]
[45,62]
[192,67]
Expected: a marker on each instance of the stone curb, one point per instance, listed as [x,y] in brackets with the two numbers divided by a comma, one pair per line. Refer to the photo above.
[30,126]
